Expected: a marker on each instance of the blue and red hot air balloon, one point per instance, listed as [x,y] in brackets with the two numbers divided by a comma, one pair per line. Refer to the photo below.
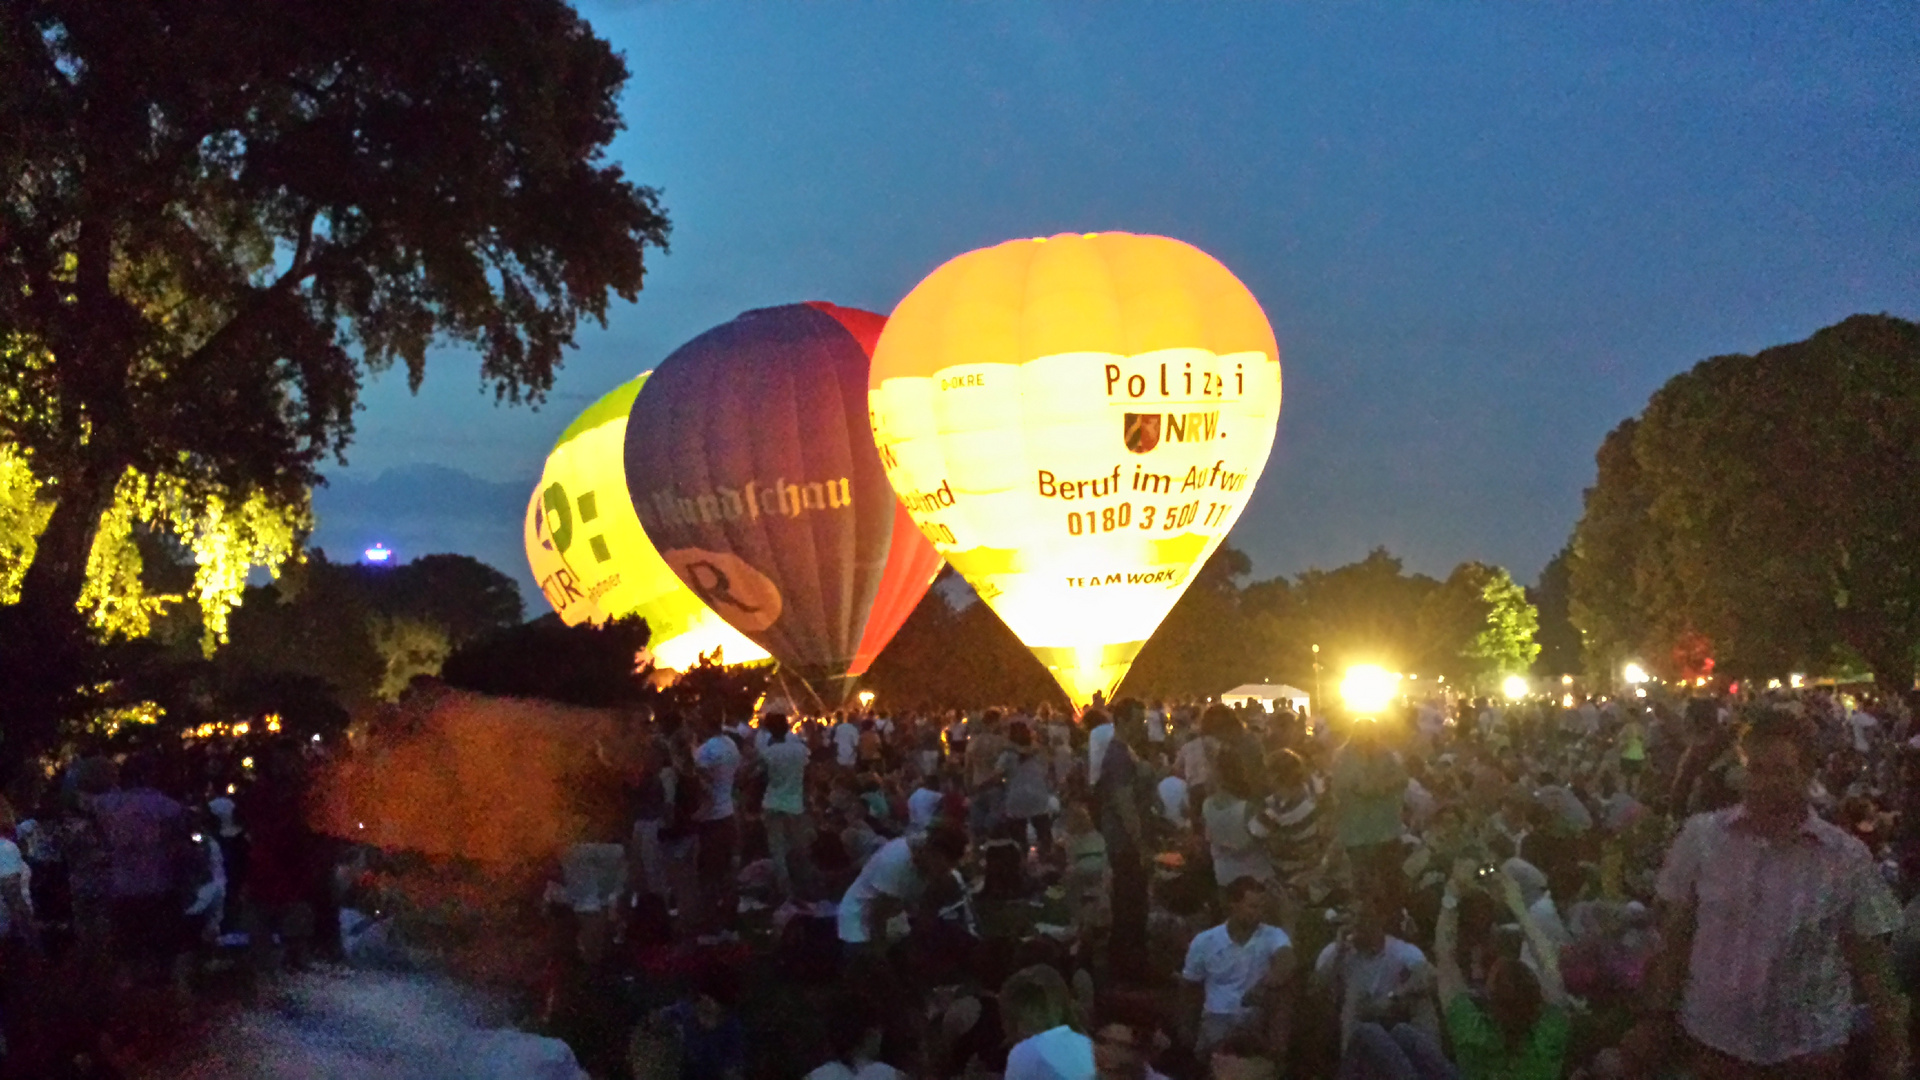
[751,463]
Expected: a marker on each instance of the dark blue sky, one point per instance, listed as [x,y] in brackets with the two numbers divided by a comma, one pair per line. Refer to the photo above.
[1483,234]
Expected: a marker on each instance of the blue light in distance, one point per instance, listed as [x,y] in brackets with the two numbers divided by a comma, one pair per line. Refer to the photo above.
[378,553]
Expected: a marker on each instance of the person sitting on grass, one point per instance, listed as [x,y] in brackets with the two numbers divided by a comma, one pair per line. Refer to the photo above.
[1522,1031]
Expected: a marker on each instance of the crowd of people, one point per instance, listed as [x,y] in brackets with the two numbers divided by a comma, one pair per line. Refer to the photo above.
[1600,887]
[125,880]
[1451,888]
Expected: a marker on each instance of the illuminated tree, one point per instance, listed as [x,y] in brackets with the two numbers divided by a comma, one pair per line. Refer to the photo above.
[1500,634]
[224,541]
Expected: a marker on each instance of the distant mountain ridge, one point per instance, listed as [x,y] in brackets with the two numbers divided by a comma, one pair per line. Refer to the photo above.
[423,509]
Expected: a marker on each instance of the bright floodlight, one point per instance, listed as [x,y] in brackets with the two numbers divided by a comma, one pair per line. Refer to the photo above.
[1634,673]
[1566,680]
[1515,687]
[1367,688]
[866,698]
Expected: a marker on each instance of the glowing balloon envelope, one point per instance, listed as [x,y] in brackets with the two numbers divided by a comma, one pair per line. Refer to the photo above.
[593,560]
[1076,422]
[752,466]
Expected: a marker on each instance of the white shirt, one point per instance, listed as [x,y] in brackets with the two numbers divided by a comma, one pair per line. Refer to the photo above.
[1397,965]
[891,873]
[1228,970]
[1097,741]
[1060,1054]
[1235,852]
[1173,800]
[846,743]
[1766,977]
[1862,722]
[1420,804]
[1157,726]
[14,865]
[718,760]
[922,807]
[1194,763]
[786,776]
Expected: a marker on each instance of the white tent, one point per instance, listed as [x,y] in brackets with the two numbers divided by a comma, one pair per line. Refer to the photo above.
[1268,695]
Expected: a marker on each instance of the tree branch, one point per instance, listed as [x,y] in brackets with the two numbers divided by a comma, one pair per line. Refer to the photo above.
[302,266]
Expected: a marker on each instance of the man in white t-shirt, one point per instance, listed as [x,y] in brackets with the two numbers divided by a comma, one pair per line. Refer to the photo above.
[1157,724]
[718,760]
[1097,741]
[846,743]
[784,807]
[924,804]
[1376,978]
[1226,964]
[894,879]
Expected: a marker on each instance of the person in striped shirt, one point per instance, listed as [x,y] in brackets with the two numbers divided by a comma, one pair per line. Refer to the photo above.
[1289,824]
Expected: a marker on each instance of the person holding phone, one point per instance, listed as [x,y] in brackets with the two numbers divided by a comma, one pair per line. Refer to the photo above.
[1522,1031]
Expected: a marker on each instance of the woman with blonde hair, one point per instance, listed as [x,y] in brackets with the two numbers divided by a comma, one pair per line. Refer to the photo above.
[1038,1012]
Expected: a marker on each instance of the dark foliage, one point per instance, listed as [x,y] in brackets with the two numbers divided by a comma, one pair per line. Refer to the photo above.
[1762,514]
[577,665]
[323,620]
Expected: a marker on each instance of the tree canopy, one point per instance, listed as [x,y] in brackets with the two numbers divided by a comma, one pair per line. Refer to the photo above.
[217,222]
[1761,517]
[367,631]
[1560,643]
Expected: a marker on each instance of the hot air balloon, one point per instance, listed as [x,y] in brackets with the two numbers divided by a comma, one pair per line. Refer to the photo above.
[592,559]
[752,466]
[1076,422]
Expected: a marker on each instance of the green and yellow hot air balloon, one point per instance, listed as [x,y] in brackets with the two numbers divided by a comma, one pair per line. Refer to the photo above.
[593,560]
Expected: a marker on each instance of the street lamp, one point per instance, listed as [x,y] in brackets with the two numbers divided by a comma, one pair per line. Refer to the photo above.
[1317,699]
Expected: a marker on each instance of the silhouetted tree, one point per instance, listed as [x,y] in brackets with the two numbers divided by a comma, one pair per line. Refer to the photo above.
[1762,513]
[219,220]
[576,665]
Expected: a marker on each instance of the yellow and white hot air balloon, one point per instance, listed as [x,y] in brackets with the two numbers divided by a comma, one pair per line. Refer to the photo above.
[593,560]
[1076,422]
